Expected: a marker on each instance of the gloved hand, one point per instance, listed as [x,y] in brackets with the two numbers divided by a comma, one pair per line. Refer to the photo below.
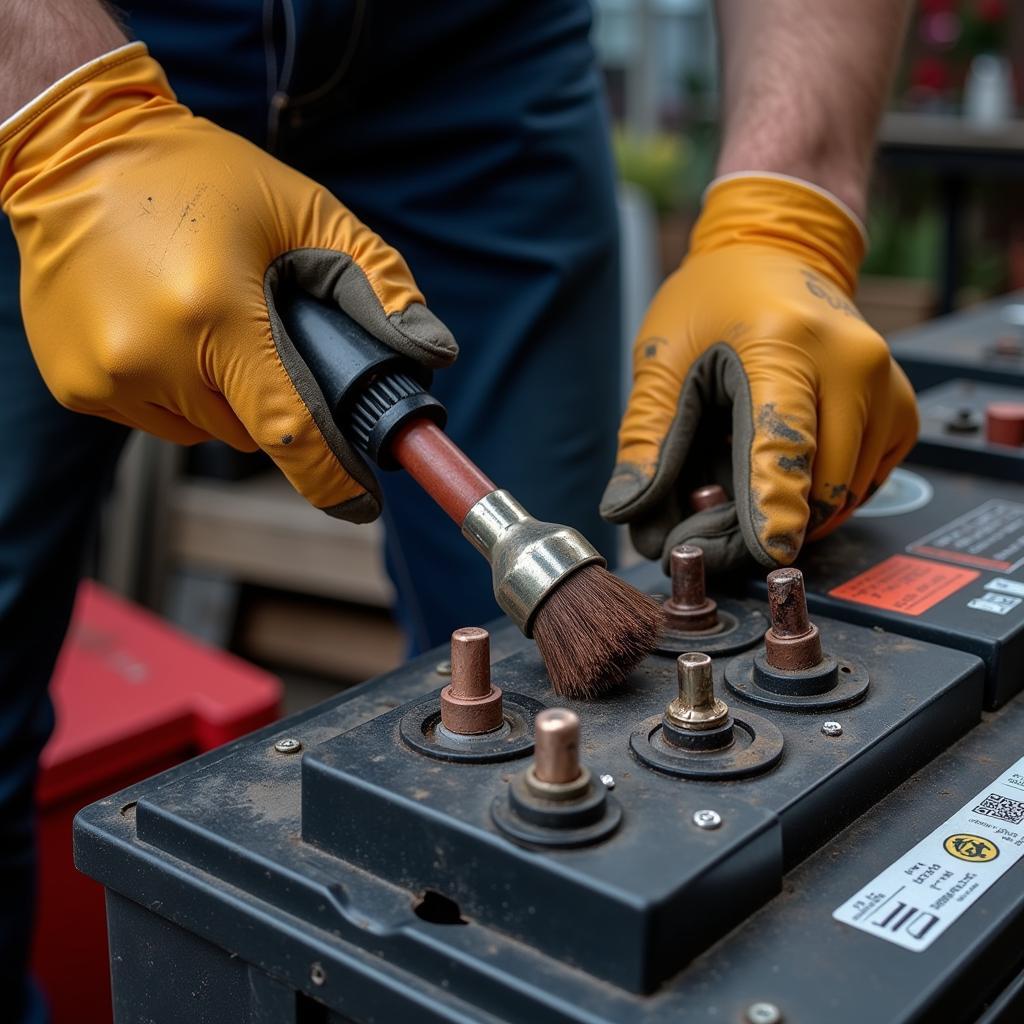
[753,369]
[152,243]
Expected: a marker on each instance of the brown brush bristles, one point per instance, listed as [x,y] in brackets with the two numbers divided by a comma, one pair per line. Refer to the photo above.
[593,630]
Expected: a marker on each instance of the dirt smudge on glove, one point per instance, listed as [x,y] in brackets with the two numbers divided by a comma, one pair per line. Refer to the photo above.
[650,346]
[773,423]
[795,463]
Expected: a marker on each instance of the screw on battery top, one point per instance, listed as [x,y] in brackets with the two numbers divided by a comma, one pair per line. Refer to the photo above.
[707,819]
[470,705]
[689,609]
[763,1013]
[792,642]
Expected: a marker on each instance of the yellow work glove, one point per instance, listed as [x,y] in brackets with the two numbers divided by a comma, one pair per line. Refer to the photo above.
[754,370]
[152,243]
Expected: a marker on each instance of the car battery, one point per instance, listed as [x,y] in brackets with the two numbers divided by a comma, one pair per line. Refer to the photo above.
[936,555]
[972,426]
[382,858]
[132,696]
[984,342]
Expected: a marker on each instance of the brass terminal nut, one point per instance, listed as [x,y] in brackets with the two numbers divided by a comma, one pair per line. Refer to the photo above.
[696,708]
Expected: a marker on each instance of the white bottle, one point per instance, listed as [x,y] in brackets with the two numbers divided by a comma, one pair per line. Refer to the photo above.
[988,94]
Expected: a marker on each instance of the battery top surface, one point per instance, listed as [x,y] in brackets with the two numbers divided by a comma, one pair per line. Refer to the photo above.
[937,555]
[985,342]
[388,868]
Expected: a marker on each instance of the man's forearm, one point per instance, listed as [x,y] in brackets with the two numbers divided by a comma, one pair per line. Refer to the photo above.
[45,39]
[804,83]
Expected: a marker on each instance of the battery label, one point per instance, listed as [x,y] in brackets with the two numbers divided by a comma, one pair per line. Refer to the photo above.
[1002,586]
[904,584]
[997,604]
[988,537]
[913,901]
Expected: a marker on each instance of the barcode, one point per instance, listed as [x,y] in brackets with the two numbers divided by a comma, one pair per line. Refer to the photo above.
[1001,807]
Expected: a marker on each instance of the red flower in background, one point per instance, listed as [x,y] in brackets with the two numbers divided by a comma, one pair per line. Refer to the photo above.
[937,6]
[930,74]
[992,11]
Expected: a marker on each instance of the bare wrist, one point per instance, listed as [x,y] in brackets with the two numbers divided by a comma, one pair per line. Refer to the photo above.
[44,40]
[846,178]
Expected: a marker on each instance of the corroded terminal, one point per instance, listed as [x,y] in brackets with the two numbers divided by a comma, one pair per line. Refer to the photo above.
[792,642]
[689,609]
[793,670]
[470,705]
[708,497]
[696,708]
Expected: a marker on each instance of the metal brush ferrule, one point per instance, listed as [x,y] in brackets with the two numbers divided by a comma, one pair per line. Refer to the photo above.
[527,557]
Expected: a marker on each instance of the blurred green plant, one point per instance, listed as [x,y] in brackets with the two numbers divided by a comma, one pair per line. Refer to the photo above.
[906,228]
[655,165]
[670,168]
[904,243]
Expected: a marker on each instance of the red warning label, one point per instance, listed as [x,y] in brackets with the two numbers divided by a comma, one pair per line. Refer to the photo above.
[904,584]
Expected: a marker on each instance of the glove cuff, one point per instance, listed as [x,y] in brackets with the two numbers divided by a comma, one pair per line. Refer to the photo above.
[76,103]
[761,208]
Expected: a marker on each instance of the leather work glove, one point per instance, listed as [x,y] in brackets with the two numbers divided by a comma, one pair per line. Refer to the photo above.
[152,243]
[754,370]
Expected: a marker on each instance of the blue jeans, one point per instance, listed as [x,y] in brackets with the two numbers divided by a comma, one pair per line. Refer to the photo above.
[472,136]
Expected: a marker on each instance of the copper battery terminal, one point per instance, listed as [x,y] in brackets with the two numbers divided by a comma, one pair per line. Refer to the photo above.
[556,801]
[470,703]
[693,619]
[688,609]
[471,719]
[708,496]
[556,772]
[793,670]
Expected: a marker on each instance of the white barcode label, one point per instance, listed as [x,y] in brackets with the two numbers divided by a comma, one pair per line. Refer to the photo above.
[997,604]
[913,901]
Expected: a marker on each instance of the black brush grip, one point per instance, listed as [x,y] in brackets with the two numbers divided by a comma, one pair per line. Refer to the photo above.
[371,389]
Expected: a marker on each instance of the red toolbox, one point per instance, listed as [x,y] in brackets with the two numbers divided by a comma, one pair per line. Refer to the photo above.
[133,696]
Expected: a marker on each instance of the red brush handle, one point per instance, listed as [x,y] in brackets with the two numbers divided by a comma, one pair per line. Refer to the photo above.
[440,467]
